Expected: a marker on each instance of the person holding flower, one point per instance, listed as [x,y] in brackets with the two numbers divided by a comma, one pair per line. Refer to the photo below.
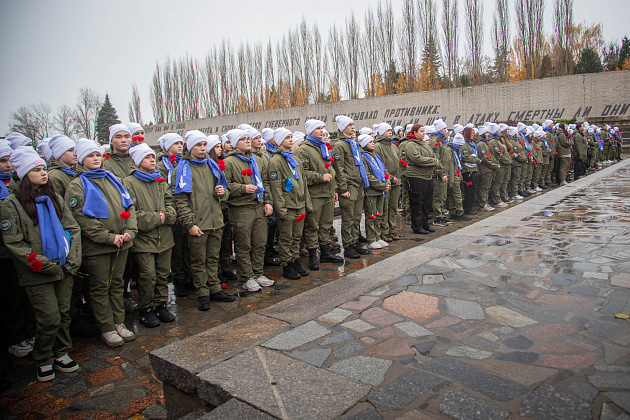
[45,246]
[291,203]
[152,246]
[102,207]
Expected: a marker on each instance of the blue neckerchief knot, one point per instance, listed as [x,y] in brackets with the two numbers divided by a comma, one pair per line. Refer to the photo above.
[292,163]
[183,175]
[528,147]
[377,165]
[271,147]
[146,177]
[55,240]
[68,171]
[356,153]
[4,191]
[166,160]
[256,179]
[323,147]
[456,152]
[95,204]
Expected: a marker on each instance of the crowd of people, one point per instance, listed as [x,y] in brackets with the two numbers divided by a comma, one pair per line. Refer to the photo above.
[80,222]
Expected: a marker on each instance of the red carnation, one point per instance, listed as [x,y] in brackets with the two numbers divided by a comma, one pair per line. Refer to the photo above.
[386,176]
[125,215]
[331,160]
[501,151]
[487,155]
[158,179]
[458,173]
[435,144]
[329,146]
[37,265]
[106,156]
[512,152]
[247,172]
[138,139]
[173,158]
[534,162]
[402,162]
[378,215]
[326,165]
[529,153]
[31,256]
[537,148]
[372,217]
[469,184]
[221,165]
[557,153]
[551,140]
[224,286]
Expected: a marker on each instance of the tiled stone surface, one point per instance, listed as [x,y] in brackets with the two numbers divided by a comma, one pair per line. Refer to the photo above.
[462,406]
[379,317]
[550,402]
[368,370]
[335,316]
[508,317]
[360,303]
[403,390]
[358,325]
[413,305]
[465,309]
[413,329]
[315,357]
[469,352]
[297,336]
[394,347]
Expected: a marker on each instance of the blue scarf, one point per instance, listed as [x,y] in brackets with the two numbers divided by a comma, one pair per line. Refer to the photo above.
[166,160]
[292,163]
[55,241]
[4,192]
[528,147]
[183,175]
[474,147]
[494,135]
[456,152]
[600,141]
[145,177]
[271,147]
[357,160]
[95,204]
[545,142]
[256,179]
[377,165]
[68,171]
[323,147]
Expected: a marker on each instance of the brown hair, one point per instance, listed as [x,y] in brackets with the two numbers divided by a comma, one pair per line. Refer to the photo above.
[26,196]
[468,133]
[415,128]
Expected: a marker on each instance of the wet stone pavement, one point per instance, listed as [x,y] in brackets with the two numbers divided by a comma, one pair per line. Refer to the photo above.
[518,323]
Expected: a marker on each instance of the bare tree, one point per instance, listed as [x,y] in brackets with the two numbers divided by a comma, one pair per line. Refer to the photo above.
[135,114]
[337,55]
[270,100]
[450,17]
[351,46]
[88,105]
[319,62]
[156,95]
[368,53]
[64,121]
[474,35]
[563,36]
[34,121]
[408,41]
[529,22]
[501,41]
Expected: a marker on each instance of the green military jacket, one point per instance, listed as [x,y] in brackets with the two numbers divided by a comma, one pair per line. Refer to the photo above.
[238,181]
[537,153]
[564,145]
[500,151]
[469,160]
[159,165]
[294,198]
[445,156]
[314,169]
[98,234]
[519,155]
[346,172]
[149,199]
[486,153]
[376,187]
[119,165]
[201,207]
[21,237]
[386,149]
[59,178]
[553,144]
[421,159]
[580,146]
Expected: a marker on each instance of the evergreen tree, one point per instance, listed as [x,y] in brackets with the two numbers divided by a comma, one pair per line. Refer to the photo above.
[624,52]
[106,117]
[589,62]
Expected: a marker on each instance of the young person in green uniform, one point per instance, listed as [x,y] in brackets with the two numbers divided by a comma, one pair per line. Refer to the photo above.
[351,180]
[200,186]
[469,161]
[291,203]
[319,173]
[505,161]
[379,187]
[63,162]
[385,147]
[43,148]
[537,156]
[564,153]
[581,147]
[249,205]
[443,173]
[454,200]
[497,150]
[45,246]
[137,134]
[102,207]
[519,158]
[487,167]
[155,214]
[551,142]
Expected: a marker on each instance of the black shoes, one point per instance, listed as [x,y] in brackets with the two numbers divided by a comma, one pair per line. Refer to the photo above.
[360,250]
[471,213]
[421,232]
[289,272]
[430,229]
[180,289]
[362,239]
[463,217]
[130,305]
[327,256]
[350,252]
[221,297]
[313,261]
[271,262]
[298,268]
[148,318]
[163,314]
[227,276]
[203,303]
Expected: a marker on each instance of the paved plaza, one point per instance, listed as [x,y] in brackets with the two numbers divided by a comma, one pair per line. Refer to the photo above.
[508,316]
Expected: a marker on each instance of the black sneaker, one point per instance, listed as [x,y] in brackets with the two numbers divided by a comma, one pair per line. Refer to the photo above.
[360,250]
[221,297]
[439,222]
[362,239]
[463,217]
[148,319]
[430,229]
[350,252]
[130,305]
[203,303]
[471,213]
[297,267]
[421,232]
[65,364]
[228,275]
[163,314]
[289,272]
[45,373]
[271,262]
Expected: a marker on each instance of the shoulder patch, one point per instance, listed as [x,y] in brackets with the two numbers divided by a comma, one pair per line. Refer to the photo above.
[5,225]
[464,152]
[496,148]
[337,156]
[273,175]
[72,202]
[302,161]
[415,152]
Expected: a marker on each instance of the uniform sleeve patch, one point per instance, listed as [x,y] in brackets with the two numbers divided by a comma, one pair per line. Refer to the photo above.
[415,152]
[5,225]
[337,156]
[302,161]
[464,152]
[72,202]
[496,148]
[273,175]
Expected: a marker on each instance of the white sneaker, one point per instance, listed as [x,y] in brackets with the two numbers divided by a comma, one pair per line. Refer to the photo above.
[517,197]
[538,189]
[124,333]
[264,281]
[382,243]
[487,207]
[374,245]
[251,285]
[501,204]
[65,364]
[112,339]
[21,349]
[31,341]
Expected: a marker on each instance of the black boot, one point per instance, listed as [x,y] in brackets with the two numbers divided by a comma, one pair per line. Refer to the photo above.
[148,318]
[360,250]
[163,314]
[289,272]
[313,261]
[350,252]
[297,267]
[327,256]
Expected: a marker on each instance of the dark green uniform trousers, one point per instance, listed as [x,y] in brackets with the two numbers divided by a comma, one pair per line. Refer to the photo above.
[454,197]
[495,187]
[536,173]
[373,206]
[505,195]
[249,229]
[226,244]
[390,210]
[153,279]
[484,182]
[404,199]
[51,304]
[351,212]
[550,169]
[204,261]
[317,224]
[107,296]
[439,198]
[19,319]
[516,179]
[290,235]
[565,162]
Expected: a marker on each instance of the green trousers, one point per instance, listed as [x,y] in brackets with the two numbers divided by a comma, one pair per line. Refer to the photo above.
[107,296]
[505,195]
[153,280]
[180,256]
[536,173]
[390,210]
[404,199]
[495,187]
[550,169]
[351,212]
[439,198]
[515,179]
[317,224]
[454,197]
[290,235]
[51,304]
[565,162]
[249,229]
[204,261]
[484,182]
[226,243]
[19,320]
[373,205]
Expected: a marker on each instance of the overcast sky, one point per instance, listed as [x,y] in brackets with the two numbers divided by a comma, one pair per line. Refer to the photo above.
[50,49]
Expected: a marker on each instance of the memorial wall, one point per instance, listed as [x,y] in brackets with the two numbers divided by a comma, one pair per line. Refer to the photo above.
[581,96]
